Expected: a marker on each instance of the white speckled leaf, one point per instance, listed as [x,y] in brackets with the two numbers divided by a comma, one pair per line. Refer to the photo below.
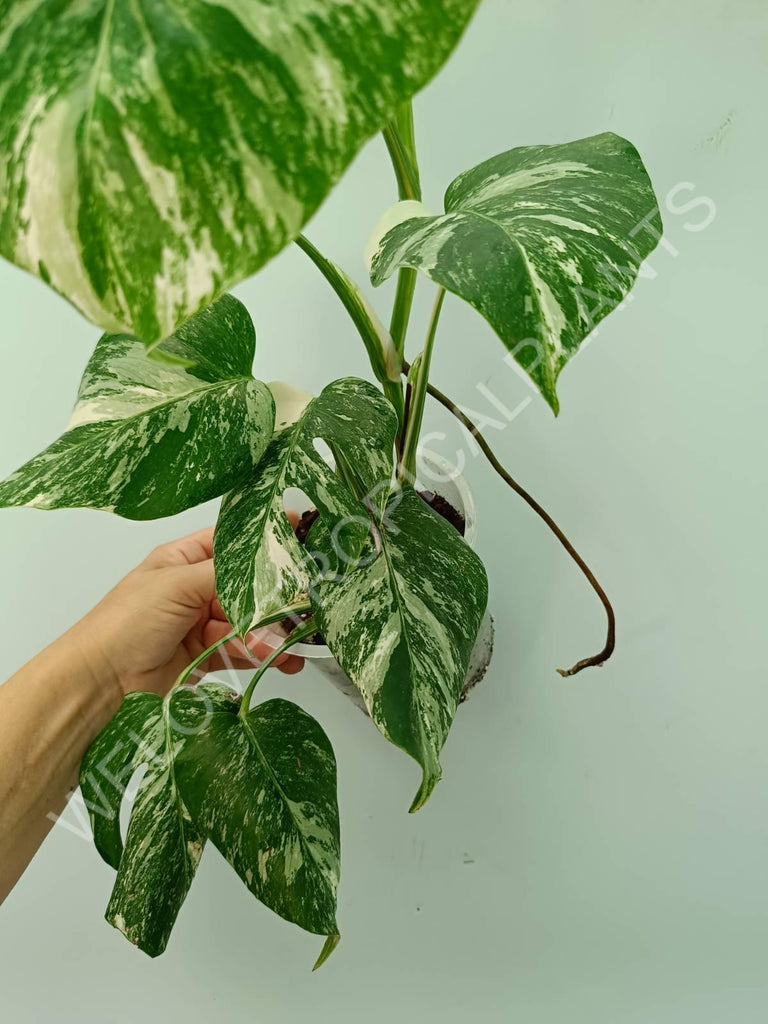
[403,628]
[152,155]
[163,846]
[152,436]
[544,241]
[262,788]
[260,565]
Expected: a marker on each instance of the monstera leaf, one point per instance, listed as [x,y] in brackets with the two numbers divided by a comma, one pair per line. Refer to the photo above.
[544,241]
[261,786]
[260,565]
[163,846]
[155,154]
[403,627]
[153,436]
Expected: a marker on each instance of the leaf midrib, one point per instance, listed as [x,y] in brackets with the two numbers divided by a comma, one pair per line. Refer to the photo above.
[247,727]
[189,396]
[394,578]
[93,78]
[188,875]
[524,256]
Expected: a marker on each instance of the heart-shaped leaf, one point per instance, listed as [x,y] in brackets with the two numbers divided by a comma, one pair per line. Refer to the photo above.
[403,627]
[260,565]
[544,241]
[262,788]
[151,437]
[154,155]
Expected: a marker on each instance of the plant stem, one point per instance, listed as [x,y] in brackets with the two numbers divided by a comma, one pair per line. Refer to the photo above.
[404,124]
[382,353]
[300,608]
[401,143]
[610,643]
[407,468]
[401,310]
[304,630]
[403,160]
[190,669]
[400,140]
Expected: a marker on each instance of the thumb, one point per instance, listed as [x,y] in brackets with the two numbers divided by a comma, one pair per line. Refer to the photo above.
[192,585]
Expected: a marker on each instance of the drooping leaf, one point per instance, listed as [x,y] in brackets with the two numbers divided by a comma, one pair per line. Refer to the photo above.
[403,626]
[262,788]
[163,846]
[151,437]
[109,765]
[155,154]
[260,565]
[544,241]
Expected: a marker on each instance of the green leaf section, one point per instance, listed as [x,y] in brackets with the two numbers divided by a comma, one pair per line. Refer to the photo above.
[403,626]
[261,787]
[544,241]
[151,437]
[260,565]
[163,845]
[156,154]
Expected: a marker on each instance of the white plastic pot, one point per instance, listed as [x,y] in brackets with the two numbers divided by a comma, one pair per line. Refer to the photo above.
[434,474]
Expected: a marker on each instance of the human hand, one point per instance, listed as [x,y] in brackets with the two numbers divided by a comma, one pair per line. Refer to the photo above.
[162,616]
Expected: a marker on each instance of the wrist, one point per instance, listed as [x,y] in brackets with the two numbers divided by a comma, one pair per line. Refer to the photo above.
[83,655]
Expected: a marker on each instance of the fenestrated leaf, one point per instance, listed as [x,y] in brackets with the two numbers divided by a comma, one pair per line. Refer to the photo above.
[262,788]
[163,846]
[156,154]
[403,626]
[544,241]
[260,565]
[151,437]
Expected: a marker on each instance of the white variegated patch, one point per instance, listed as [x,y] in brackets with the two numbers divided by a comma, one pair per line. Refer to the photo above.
[153,435]
[403,628]
[544,241]
[153,155]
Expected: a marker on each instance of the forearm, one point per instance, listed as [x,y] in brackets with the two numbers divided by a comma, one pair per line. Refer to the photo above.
[50,712]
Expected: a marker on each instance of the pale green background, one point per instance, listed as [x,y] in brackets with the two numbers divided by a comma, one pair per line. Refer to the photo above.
[598,849]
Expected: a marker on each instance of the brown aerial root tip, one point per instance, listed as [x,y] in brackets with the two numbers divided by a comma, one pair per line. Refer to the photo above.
[610,643]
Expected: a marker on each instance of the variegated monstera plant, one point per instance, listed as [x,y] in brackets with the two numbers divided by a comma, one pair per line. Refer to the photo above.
[152,156]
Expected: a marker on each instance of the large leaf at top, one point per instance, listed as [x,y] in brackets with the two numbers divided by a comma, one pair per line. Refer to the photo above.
[260,565]
[261,786]
[154,154]
[544,241]
[403,627]
[150,437]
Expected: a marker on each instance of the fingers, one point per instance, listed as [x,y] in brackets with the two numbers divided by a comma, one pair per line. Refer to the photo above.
[193,586]
[197,547]
[236,655]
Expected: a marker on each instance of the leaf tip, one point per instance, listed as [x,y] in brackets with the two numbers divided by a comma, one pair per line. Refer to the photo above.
[426,789]
[328,947]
